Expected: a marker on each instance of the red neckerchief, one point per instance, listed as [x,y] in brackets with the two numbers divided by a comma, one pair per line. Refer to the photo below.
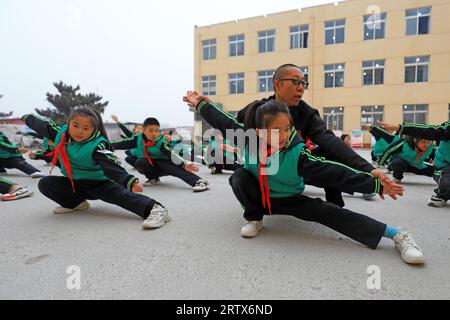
[419,154]
[264,181]
[49,154]
[64,159]
[146,145]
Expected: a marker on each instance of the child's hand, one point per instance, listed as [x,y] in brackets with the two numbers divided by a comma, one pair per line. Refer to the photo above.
[389,127]
[114,117]
[388,185]
[23,150]
[137,187]
[229,148]
[193,98]
[191,167]
[393,190]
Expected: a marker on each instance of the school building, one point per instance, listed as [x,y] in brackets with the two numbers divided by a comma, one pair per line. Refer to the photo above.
[364,60]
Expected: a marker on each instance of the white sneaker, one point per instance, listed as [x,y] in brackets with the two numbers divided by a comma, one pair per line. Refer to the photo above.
[157,218]
[82,206]
[38,174]
[19,193]
[152,182]
[200,185]
[408,248]
[436,202]
[251,228]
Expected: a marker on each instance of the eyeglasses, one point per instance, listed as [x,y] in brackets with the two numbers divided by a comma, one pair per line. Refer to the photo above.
[297,82]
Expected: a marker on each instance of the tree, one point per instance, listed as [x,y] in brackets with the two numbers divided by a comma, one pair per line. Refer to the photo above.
[67,99]
[5,114]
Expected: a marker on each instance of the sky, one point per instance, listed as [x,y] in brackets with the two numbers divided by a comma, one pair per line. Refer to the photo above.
[113,48]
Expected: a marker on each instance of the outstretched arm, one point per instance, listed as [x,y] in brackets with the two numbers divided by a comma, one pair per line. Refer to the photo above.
[110,164]
[45,127]
[342,177]
[393,148]
[217,118]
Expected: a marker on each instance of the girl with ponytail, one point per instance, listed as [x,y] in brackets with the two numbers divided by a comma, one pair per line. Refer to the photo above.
[90,169]
[272,179]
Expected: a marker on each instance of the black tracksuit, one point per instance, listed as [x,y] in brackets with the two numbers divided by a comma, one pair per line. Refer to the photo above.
[247,190]
[308,122]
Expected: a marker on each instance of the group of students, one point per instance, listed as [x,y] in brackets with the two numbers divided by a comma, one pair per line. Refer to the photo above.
[11,158]
[411,151]
[91,170]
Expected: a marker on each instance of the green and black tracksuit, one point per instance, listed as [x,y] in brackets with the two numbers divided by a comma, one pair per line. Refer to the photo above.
[440,134]
[131,155]
[91,171]
[5,185]
[11,158]
[47,151]
[155,158]
[310,126]
[277,186]
[404,156]
[382,140]
[217,156]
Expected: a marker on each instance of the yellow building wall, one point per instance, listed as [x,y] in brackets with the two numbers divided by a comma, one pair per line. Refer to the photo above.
[393,94]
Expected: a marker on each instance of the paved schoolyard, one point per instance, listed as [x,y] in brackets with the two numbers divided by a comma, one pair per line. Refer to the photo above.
[200,254]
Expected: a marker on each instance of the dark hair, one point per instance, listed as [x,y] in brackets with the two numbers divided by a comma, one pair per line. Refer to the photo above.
[93,115]
[261,116]
[280,71]
[344,136]
[412,142]
[151,122]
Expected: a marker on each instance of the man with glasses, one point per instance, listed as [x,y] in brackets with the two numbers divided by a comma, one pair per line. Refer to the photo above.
[289,85]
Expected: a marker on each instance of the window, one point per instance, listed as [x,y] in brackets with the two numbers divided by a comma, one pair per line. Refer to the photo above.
[266,41]
[305,71]
[334,75]
[373,72]
[335,31]
[236,45]
[415,113]
[265,83]
[209,49]
[299,36]
[334,118]
[236,83]
[416,69]
[375,26]
[209,85]
[418,21]
[371,114]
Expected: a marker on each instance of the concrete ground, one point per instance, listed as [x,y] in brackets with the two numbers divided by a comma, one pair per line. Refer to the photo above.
[201,255]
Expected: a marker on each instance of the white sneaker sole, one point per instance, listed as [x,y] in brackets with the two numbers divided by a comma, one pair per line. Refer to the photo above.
[24,195]
[61,210]
[413,261]
[251,235]
[158,225]
[199,189]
